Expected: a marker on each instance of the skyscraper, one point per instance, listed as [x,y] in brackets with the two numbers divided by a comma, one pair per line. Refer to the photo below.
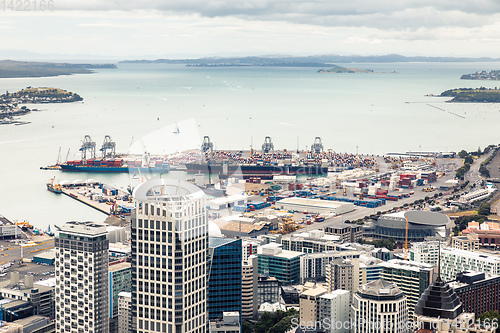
[169,258]
[81,268]
[225,275]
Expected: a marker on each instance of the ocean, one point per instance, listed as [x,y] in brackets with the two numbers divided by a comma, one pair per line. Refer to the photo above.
[372,113]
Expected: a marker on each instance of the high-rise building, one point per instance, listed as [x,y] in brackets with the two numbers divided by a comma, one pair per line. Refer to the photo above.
[268,290]
[81,268]
[454,261]
[169,258]
[425,252]
[249,289]
[344,274]
[309,304]
[225,275]
[119,281]
[468,242]
[282,264]
[379,306]
[412,279]
[334,311]
[477,291]
[124,315]
[439,310]
[313,265]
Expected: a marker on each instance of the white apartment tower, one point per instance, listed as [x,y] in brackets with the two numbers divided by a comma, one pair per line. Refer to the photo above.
[379,306]
[124,301]
[169,258]
[81,268]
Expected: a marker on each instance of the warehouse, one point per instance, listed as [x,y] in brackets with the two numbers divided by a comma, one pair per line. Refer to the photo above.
[315,206]
[45,258]
[227,202]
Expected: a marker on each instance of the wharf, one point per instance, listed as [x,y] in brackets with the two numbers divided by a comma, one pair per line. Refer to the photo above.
[102,197]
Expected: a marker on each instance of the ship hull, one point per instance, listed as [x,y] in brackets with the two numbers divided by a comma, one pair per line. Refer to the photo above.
[53,190]
[106,169]
[256,170]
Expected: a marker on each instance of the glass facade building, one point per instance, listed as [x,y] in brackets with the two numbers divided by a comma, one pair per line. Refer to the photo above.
[225,275]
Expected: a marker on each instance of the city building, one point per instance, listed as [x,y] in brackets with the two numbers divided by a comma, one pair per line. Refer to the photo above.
[230,323]
[35,324]
[334,309]
[8,230]
[348,233]
[370,267]
[454,261]
[421,224]
[411,278]
[249,248]
[311,242]
[439,310]
[309,303]
[119,280]
[344,274]
[224,276]
[249,288]
[468,242]
[381,253]
[82,278]
[268,290]
[290,295]
[124,313]
[40,296]
[479,292]
[169,258]
[282,264]
[315,206]
[425,252]
[379,306]
[488,233]
[313,265]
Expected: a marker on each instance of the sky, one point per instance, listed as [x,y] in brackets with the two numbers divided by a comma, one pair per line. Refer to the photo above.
[151,29]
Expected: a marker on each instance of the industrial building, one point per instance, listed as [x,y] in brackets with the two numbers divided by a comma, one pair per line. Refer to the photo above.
[421,224]
[315,206]
[47,257]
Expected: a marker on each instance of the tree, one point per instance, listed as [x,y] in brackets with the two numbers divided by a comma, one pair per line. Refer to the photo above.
[468,160]
[463,154]
[484,209]
[246,327]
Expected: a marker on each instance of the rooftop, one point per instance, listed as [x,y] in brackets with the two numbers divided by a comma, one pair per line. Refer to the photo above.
[119,267]
[380,288]
[478,255]
[407,265]
[335,293]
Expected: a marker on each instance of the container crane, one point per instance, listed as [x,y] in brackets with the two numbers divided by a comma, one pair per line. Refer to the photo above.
[267,146]
[108,148]
[87,144]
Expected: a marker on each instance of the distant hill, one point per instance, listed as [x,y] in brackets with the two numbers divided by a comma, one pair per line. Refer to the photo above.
[470,95]
[340,69]
[309,61]
[483,75]
[13,69]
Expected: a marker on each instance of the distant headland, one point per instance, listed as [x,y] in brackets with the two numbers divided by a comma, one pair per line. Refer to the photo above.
[340,69]
[471,95]
[17,69]
[483,75]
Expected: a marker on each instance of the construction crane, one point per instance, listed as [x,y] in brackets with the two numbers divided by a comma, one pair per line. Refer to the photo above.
[108,148]
[406,241]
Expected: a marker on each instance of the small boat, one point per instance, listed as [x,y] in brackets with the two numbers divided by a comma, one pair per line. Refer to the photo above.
[54,188]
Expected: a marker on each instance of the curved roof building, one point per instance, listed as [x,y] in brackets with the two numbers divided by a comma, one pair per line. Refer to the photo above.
[421,224]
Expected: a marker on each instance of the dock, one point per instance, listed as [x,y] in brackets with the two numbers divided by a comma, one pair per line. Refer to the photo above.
[104,198]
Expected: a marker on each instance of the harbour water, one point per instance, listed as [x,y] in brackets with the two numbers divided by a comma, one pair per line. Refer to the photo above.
[371,113]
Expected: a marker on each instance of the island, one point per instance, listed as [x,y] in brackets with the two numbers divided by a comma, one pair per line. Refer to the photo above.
[472,95]
[16,69]
[483,75]
[340,69]
[10,103]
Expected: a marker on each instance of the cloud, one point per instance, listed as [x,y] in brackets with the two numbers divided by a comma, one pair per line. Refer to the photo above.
[411,14]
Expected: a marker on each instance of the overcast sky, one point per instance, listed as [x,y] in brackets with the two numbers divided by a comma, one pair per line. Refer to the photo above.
[187,28]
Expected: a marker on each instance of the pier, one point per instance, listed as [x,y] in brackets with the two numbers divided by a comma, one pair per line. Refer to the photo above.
[104,198]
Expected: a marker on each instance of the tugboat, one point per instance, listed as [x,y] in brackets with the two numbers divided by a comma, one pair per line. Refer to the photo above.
[54,188]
